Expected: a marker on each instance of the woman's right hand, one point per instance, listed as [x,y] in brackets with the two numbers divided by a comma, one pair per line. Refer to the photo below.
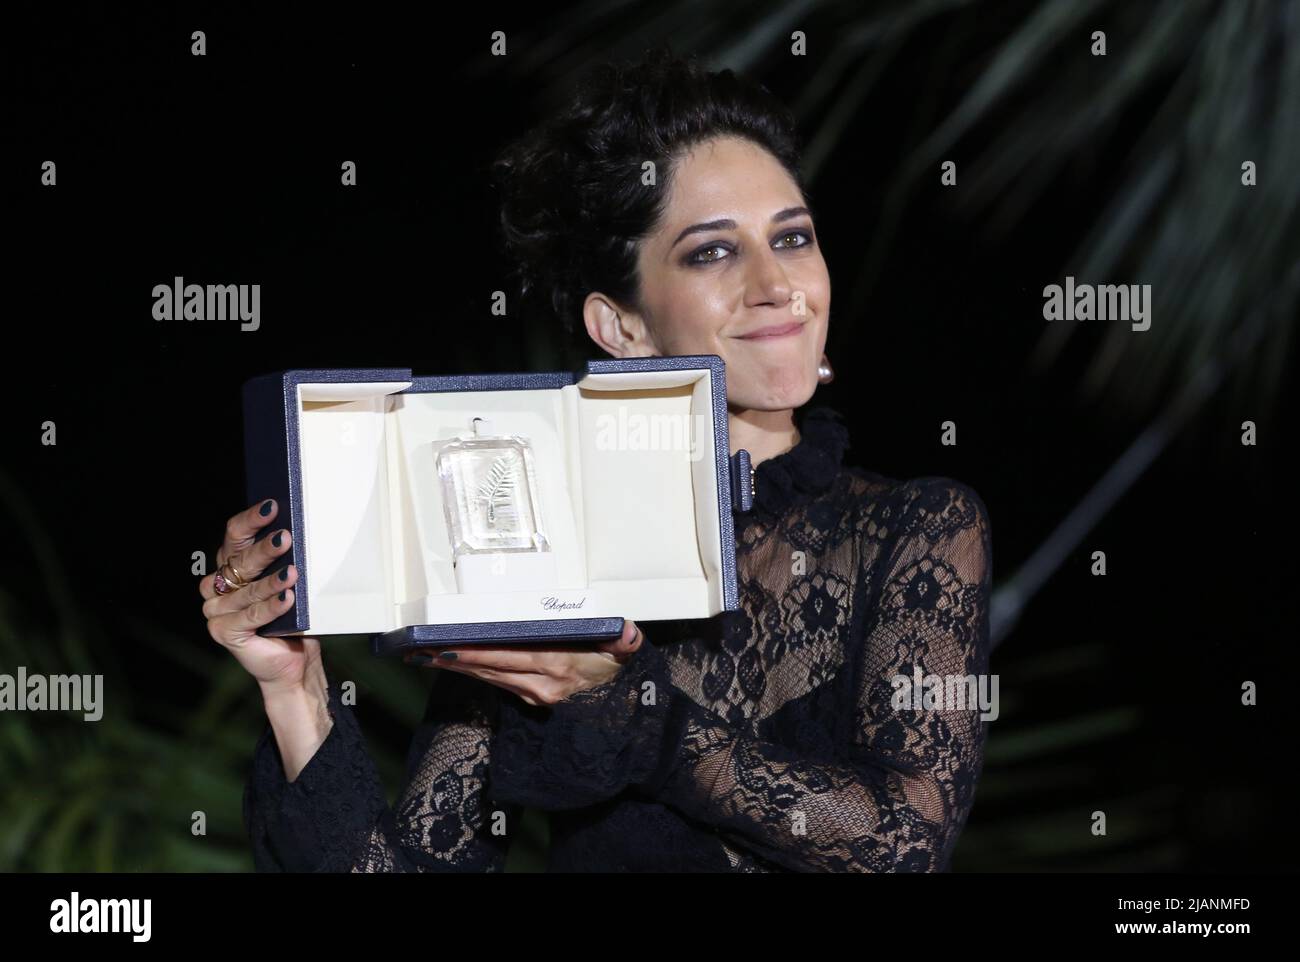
[280,665]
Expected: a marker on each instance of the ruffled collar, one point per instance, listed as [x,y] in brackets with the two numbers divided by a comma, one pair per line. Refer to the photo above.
[807,469]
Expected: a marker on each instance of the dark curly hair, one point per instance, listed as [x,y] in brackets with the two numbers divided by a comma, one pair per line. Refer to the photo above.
[573,205]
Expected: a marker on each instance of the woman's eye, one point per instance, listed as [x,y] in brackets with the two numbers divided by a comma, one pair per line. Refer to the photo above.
[797,233]
[699,258]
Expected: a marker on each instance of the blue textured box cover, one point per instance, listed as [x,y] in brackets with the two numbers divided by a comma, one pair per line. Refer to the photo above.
[274,470]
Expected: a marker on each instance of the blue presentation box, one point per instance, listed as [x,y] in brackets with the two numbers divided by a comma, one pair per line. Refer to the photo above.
[632,466]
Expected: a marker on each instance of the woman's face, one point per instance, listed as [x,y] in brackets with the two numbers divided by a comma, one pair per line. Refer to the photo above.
[734,270]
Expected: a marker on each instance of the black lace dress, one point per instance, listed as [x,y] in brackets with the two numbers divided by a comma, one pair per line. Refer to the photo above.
[764,739]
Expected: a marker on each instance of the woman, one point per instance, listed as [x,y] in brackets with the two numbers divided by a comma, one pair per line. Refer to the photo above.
[768,738]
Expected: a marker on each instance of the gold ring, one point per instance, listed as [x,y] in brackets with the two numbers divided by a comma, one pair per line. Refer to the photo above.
[238,580]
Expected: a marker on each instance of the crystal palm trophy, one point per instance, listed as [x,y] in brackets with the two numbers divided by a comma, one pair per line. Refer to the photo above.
[490,494]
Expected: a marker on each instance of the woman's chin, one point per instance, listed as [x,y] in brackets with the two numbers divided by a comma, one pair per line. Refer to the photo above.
[775,394]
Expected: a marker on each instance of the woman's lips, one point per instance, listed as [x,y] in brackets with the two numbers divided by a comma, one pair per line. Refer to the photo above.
[774,331]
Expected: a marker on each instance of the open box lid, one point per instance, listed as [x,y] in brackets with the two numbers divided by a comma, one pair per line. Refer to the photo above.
[645,534]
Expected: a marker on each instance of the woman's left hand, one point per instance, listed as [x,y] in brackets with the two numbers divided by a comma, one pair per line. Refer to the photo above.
[540,676]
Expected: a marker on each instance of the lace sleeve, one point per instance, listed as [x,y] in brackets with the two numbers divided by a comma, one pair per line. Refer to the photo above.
[898,799]
[334,816]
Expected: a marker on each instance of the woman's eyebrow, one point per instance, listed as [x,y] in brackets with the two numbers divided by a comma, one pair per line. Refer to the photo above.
[727,223]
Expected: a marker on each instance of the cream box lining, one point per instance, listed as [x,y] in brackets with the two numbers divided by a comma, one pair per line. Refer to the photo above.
[628,481]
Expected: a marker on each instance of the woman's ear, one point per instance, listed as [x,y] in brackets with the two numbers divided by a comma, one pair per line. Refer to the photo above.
[620,333]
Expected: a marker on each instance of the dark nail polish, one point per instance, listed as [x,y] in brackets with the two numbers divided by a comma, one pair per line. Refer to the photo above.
[266,507]
[448,656]
[282,596]
[276,539]
[284,574]
[419,658]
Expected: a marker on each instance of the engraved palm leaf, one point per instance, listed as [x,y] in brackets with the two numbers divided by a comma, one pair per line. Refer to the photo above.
[497,486]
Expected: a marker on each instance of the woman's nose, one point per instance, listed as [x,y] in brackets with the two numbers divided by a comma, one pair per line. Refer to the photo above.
[767,281]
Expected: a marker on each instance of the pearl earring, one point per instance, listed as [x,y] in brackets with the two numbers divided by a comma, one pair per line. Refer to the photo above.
[825,373]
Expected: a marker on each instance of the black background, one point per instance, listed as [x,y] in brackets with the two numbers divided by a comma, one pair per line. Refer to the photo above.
[226,169]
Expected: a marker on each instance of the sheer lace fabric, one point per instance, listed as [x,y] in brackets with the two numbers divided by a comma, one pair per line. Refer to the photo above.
[764,739]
